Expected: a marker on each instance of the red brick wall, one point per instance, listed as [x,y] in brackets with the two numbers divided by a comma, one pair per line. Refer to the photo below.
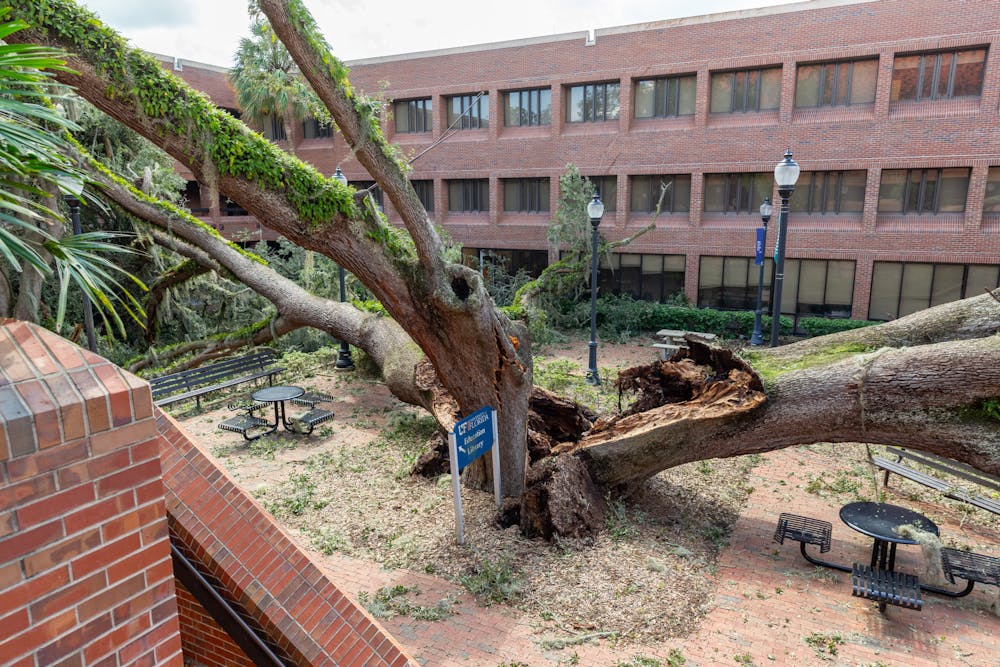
[85,571]
[261,568]
[202,639]
[870,137]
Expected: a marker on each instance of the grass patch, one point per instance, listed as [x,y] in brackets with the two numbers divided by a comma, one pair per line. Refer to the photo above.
[494,581]
[295,497]
[388,602]
[825,645]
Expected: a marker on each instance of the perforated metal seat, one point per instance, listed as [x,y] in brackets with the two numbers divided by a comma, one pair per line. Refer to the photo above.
[803,529]
[886,587]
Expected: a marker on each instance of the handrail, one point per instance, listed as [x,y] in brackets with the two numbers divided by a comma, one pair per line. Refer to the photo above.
[223,613]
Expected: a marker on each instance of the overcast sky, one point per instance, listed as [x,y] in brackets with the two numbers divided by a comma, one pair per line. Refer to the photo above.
[209,31]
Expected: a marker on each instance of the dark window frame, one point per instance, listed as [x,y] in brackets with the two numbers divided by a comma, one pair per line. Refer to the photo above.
[591,89]
[921,194]
[744,94]
[425,192]
[610,277]
[533,112]
[753,199]
[600,187]
[820,89]
[319,130]
[936,73]
[662,86]
[653,192]
[930,294]
[471,116]
[475,195]
[529,195]
[418,115]
[809,191]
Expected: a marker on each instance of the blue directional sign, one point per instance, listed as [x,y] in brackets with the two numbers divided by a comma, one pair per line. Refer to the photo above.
[759,251]
[474,436]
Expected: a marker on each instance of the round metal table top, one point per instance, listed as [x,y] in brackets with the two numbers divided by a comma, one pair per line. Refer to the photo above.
[277,393]
[882,521]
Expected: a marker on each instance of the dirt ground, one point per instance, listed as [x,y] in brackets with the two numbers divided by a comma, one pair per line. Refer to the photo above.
[650,576]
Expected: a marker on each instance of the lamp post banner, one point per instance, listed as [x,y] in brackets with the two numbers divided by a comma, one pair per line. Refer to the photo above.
[759,248]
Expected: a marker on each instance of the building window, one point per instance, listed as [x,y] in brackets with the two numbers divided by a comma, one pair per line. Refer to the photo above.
[469,112]
[737,193]
[836,84]
[829,192]
[665,97]
[923,190]
[664,194]
[313,129]
[746,90]
[991,203]
[645,277]
[526,195]
[592,103]
[494,261]
[607,189]
[938,75]
[272,127]
[425,192]
[413,115]
[900,288]
[730,283]
[376,191]
[811,287]
[523,108]
[469,195]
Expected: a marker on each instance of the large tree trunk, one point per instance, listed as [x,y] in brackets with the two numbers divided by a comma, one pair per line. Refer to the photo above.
[480,357]
[899,383]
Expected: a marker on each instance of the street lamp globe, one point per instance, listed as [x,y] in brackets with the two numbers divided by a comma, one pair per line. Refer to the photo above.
[765,211]
[786,173]
[595,209]
[339,176]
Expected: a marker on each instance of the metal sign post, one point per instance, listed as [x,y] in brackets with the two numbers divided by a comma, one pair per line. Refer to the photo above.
[471,438]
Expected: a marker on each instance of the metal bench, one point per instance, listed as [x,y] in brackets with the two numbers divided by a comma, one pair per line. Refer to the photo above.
[312,399]
[886,587]
[943,466]
[196,382]
[245,423]
[312,418]
[806,530]
[970,566]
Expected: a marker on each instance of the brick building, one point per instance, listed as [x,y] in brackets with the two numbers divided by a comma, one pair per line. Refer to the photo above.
[889,106]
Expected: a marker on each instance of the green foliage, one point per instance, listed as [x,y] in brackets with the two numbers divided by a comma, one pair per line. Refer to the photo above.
[388,602]
[617,521]
[821,326]
[991,408]
[295,497]
[622,317]
[643,661]
[569,228]
[502,285]
[329,542]
[825,645]
[494,581]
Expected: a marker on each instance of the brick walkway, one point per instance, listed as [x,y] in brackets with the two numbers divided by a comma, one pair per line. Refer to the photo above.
[768,601]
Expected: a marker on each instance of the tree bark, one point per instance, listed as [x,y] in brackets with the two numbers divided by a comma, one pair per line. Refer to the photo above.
[898,383]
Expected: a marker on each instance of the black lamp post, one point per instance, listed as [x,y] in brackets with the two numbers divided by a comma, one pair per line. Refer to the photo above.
[344,360]
[88,313]
[786,173]
[595,209]
[765,217]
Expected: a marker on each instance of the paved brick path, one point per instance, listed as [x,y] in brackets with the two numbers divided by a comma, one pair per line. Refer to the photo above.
[768,601]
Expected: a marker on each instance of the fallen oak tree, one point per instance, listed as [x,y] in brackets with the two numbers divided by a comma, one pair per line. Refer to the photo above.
[449,349]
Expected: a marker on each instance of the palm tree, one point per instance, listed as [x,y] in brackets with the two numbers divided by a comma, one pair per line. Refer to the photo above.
[34,172]
[268,82]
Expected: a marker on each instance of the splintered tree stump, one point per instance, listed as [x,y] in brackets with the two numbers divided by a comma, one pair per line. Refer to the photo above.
[561,499]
